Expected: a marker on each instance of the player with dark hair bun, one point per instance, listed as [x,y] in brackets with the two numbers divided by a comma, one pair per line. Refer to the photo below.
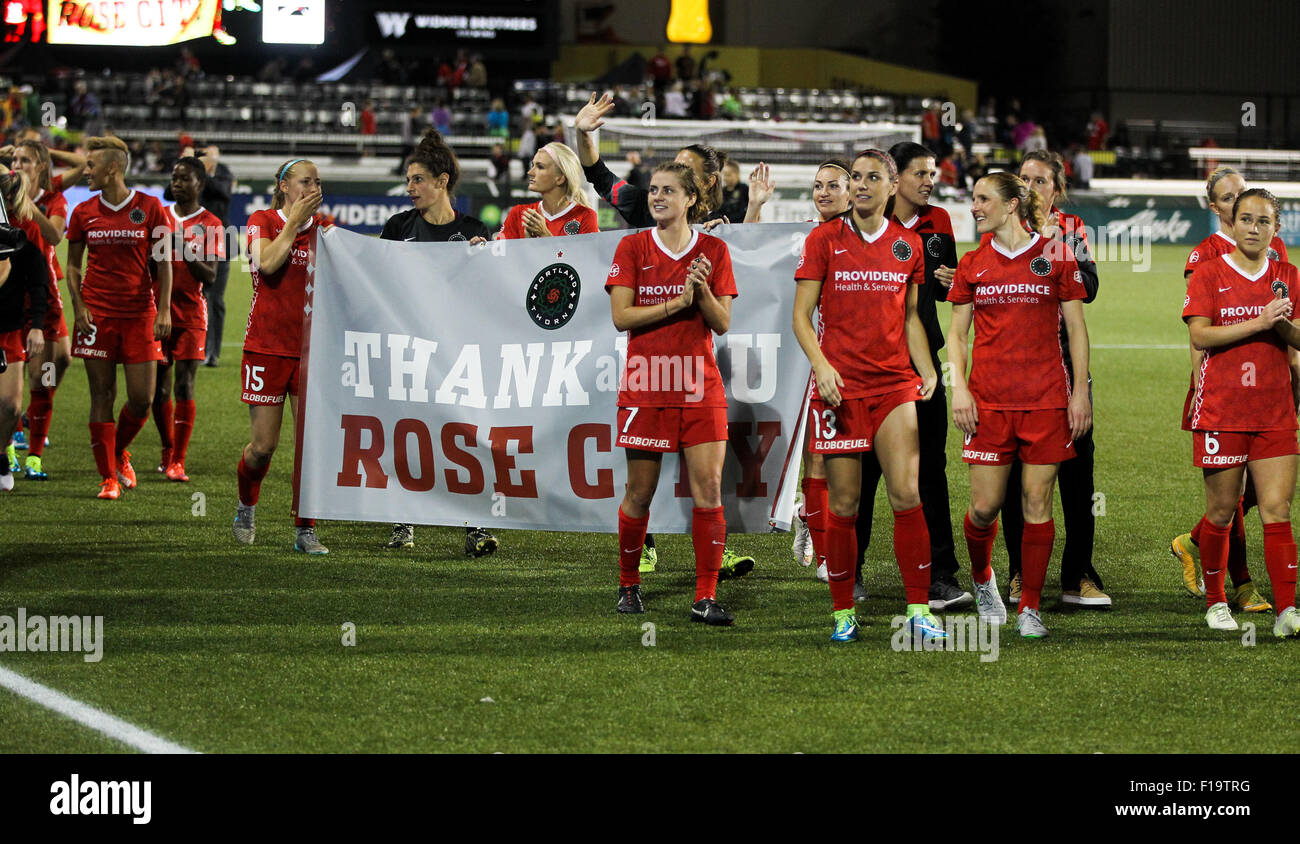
[1239,312]
[431,175]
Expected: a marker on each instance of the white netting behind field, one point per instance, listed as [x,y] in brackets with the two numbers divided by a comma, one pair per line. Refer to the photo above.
[750,141]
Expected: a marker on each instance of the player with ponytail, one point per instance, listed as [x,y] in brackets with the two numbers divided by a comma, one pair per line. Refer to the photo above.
[563,209]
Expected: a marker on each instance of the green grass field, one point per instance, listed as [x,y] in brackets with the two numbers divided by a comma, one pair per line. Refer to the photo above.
[229,649]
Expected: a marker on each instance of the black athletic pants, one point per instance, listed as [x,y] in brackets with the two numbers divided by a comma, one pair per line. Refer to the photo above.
[216,296]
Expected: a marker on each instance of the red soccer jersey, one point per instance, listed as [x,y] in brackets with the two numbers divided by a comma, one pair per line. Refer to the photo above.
[1018,363]
[204,231]
[276,314]
[574,219]
[670,363]
[1221,244]
[56,183]
[119,240]
[53,205]
[863,302]
[1245,386]
[53,299]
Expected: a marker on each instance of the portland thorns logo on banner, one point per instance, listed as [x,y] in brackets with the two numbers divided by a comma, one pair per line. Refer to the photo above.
[553,296]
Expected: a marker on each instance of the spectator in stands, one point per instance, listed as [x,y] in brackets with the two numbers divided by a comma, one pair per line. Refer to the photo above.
[1037,141]
[704,105]
[675,101]
[1021,133]
[441,118]
[391,71]
[369,125]
[1098,131]
[139,164]
[529,110]
[217,190]
[413,126]
[731,107]
[965,134]
[528,143]
[661,73]
[1082,163]
[685,65]
[948,171]
[642,170]
[931,128]
[499,166]
[498,120]
[273,71]
[976,168]
[187,64]
[554,133]
[735,193]
[476,76]
[83,109]
[305,70]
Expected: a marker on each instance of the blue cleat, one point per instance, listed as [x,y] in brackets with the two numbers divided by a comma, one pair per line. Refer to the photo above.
[924,627]
[35,472]
[20,440]
[846,625]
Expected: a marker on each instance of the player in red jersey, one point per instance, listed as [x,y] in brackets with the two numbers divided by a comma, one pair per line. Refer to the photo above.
[1020,402]
[831,198]
[123,233]
[1239,310]
[863,270]
[199,245]
[671,288]
[45,229]
[1222,188]
[24,285]
[280,244]
[563,209]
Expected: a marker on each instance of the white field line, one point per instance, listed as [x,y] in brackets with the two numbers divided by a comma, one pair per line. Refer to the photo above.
[87,715]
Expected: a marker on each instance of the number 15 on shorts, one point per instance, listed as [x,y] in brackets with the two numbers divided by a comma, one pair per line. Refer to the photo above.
[253,378]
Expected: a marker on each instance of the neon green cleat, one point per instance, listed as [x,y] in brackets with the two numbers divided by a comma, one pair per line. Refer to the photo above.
[649,558]
[11,454]
[35,472]
[734,565]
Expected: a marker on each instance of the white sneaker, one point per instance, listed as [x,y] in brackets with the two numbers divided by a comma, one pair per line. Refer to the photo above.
[821,573]
[7,482]
[1288,624]
[988,603]
[245,528]
[1220,618]
[802,545]
[1030,624]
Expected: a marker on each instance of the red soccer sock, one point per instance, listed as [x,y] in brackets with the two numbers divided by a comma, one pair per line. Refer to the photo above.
[128,425]
[101,443]
[709,536]
[182,429]
[1214,561]
[250,482]
[841,557]
[979,544]
[1196,534]
[39,414]
[300,522]
[815,500]
[1280,557]
[1035,552]
[912,551]
[631,536]
[1237,569]
[163,420]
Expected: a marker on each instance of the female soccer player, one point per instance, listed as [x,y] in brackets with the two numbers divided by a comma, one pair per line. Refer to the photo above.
[200,245]
[563,209]
[862,270]
[1239,315]
[279,248]
[44,228]
[24,285]
[1081,585]
[656,418]
[1019,402]
[831,198]
[431,175]
[120,234]
[1222,188]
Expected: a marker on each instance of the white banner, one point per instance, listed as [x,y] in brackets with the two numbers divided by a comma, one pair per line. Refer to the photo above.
[451,385]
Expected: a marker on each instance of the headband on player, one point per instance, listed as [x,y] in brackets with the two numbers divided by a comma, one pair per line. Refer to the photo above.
[286,168]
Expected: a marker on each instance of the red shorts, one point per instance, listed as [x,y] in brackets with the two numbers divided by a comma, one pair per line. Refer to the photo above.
[1037,437]
[1220,449]
[119,340]
[851,427]
[184,344]
[55,327]
[14,345]
[268,378]
[668,429]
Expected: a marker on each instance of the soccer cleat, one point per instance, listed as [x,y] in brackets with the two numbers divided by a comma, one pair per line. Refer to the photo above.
[1013,591]
[1218,617]
[307,542]
[802,545]
[859,592]
[125,472]
[20,439]
[1030,624]
[6,482]
[35,472]
[707,611]
[734,565]
[629,599]
[988,603]
[176,472]
[945,595]
[1248,599]
[403,536]
[846,625]
[925,627]
[224,38]
[479,543]
[165,461]
[245,529]
[1287,625]
[1186,553]
[1087,595]
[821,573]
[11,454]
[649,559]
[110,490]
